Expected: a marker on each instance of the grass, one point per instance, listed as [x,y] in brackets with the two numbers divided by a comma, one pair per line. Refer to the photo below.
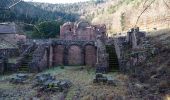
[159,32]
[82,79]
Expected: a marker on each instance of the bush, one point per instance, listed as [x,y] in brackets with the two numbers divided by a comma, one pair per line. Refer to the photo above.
[50,29]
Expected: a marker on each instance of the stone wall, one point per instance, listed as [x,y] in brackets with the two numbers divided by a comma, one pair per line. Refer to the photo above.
[81,31]
[9,37]
[69,52]
[1,67]
[40,59]
[50,56]
[132,50]
[11,52]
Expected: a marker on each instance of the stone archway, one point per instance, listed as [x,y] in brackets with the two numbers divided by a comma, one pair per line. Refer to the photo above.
[90,55]
[75,56]
[58,55]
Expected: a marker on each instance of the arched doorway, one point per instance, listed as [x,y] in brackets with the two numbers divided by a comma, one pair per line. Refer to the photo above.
[90,55]
[75,55]
[58,55]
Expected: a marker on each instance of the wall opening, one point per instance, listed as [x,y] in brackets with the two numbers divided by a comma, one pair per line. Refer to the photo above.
[90,55]
[112,59]
[75,56]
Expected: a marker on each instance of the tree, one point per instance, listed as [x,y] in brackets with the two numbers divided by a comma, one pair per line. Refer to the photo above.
[50,29]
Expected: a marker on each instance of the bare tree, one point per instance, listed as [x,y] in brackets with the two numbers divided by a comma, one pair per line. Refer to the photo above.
[166,4]
[144,11]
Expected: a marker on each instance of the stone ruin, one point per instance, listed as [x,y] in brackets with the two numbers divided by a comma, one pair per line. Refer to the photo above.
[81,31]
[102,56]
[80,43]
[135,38]
[44,82]
[133,49]
[100,78]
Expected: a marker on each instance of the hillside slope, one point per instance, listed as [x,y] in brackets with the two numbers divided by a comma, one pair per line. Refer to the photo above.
[28,12]
[120,15]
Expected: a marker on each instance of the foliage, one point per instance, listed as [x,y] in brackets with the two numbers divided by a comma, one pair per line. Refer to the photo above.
[49,29]
[97,1]
[112,9]
[34,12]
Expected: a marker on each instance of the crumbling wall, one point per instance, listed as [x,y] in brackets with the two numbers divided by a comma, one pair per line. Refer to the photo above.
[39,62]
[11,38]
[81,31]
[102,56]
[132,50]
[51,55]
[9,52]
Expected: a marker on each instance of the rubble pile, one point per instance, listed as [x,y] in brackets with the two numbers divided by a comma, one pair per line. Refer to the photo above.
[48,83]
[100,78]
[19,79]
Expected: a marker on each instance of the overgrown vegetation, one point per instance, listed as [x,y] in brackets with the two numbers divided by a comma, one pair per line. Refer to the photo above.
[49,29]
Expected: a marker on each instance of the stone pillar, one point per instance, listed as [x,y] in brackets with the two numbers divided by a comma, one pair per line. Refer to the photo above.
[134,40]
[47,49]
[83,55]
[65,58]
[1,66]
[51,56]
[102,56]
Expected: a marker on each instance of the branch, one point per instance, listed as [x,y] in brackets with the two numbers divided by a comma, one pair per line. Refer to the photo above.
[14,4]
[144,11]
[145,3]
[166,4]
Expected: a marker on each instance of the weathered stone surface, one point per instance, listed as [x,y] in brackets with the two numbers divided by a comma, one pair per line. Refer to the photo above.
[102,56]
[1,66]
[40,59]
[74,52]
[80,31]
[100,78]
[48,83]
[43,77]
[19,79]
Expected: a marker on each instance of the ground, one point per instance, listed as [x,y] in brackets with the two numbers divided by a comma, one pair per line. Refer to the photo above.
[82,89]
